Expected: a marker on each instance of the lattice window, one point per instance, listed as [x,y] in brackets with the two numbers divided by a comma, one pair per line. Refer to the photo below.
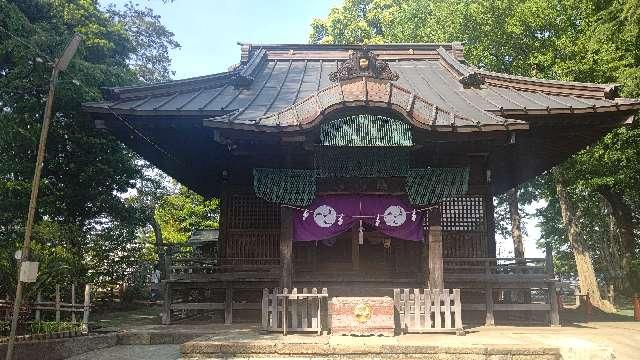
[246,211]
[465,213]
[463,227]
[252,231]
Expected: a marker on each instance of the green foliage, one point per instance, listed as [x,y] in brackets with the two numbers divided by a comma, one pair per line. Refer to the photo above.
[184,211]
[81,211]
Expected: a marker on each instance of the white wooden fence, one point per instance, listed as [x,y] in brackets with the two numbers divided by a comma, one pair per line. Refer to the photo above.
[429,310]
[299,311]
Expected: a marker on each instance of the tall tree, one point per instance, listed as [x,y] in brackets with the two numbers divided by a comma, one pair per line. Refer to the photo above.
[85,170]
[570,217]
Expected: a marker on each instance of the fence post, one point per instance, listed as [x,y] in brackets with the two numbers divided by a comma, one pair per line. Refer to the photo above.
[554,315]
[87,306]
[57,305]
[73,302]
[457,309]
[396,308]
[265,309]
[37,304]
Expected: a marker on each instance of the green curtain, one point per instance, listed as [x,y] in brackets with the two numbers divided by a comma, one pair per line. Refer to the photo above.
[432,185]
[366,130]
[285,186]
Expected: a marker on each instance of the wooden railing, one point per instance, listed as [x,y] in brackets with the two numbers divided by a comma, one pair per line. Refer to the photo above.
[497,269]
[501,276]
[428,310]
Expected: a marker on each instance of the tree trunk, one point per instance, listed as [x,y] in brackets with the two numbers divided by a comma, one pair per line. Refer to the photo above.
[157,231]
[516,220]
[584,265]
[523,296]
[623,217]
[611,248]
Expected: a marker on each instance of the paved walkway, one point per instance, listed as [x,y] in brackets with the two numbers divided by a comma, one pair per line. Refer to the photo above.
[577,341]
[138,352]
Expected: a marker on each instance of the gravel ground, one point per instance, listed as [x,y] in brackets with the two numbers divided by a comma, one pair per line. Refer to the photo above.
[139,352]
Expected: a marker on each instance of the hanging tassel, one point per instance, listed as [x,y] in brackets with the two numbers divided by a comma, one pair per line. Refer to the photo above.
[413,215]
[340,219]
[360,234]
[305,215]
[378,220]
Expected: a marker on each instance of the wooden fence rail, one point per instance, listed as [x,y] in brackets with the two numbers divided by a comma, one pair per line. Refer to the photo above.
[58,306]
[295,311]
[429,310]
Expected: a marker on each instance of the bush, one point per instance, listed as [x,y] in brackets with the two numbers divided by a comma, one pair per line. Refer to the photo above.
[48,327]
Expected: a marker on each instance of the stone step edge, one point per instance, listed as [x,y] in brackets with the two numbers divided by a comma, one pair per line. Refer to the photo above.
[217,348]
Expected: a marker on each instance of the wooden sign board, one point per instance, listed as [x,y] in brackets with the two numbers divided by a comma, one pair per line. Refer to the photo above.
[29,271]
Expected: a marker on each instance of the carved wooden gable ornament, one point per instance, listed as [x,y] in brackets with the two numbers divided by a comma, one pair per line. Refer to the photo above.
[363,63]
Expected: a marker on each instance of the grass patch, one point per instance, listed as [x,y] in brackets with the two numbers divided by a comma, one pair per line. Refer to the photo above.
[126,318]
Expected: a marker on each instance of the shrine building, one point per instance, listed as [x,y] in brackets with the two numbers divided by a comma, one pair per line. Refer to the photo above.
[363,170]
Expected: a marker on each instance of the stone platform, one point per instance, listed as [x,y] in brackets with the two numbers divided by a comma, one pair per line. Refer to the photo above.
[487,343]
[350,347]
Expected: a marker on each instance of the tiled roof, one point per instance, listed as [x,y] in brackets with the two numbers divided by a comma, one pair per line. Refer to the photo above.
[286,87]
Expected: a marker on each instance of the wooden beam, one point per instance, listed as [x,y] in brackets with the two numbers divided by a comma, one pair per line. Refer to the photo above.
[436,278]
[286,247]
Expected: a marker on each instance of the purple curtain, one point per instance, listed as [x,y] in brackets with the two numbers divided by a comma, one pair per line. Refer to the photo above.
[329,216]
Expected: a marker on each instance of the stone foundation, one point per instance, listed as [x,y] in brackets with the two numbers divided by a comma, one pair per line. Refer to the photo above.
[361,316]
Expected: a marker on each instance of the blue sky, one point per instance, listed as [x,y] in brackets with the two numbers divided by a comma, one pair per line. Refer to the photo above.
[208,30]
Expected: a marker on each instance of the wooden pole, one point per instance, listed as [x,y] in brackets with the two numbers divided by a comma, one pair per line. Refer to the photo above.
[60,65]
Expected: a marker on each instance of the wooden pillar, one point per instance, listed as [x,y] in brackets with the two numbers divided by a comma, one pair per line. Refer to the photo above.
[166,302]
[436,276]
[355,246]
[489,318]
[228,305]
[490,224]
[286,247]
[554,314]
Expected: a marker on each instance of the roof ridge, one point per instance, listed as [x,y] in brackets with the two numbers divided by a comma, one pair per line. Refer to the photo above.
[605,91]
[171,86]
